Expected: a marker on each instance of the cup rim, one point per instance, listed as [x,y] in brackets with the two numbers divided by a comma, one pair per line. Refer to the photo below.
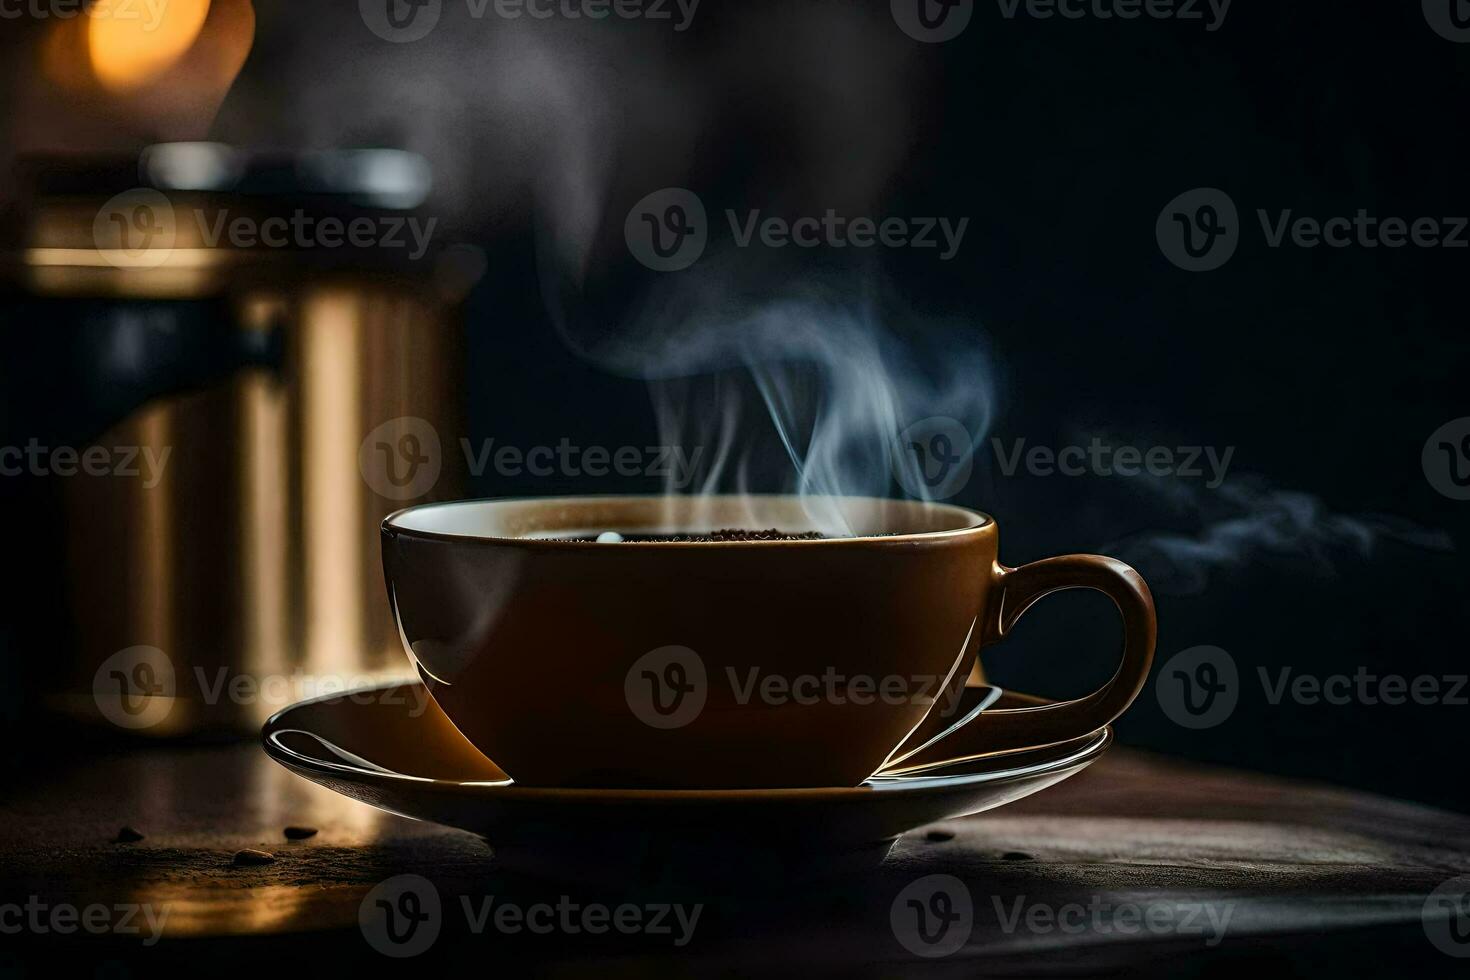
[973,521]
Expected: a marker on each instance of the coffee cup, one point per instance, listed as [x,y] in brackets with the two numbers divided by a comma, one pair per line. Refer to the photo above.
[617,642]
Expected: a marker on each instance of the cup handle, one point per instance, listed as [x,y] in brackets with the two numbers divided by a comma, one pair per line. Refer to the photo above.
[1013,591]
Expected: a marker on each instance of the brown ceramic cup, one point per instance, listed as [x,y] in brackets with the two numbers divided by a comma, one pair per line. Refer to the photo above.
[726,664]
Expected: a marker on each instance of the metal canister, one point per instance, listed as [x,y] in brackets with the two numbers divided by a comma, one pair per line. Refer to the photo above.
[273,405]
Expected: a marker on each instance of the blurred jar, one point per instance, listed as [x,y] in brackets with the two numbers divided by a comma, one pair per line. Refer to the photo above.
[253,360]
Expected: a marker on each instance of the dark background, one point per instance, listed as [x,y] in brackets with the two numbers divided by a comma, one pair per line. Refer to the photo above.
[1326,369]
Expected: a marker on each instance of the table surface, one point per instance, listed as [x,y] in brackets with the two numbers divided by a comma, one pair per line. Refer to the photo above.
[1141,861]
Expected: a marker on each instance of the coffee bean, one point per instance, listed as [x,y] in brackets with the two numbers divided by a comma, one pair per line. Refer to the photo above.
[128,835]
[300,833]
[250,857]
[939,836]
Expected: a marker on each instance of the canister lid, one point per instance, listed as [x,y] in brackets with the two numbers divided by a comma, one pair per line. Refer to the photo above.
[187,219]
[374,178]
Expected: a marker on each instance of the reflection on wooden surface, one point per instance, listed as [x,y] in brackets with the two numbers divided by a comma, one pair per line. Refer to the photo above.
[1134,831]
[196,808]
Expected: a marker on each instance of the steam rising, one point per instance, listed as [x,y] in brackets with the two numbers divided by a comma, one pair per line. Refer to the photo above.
[1244,523]
[806,394]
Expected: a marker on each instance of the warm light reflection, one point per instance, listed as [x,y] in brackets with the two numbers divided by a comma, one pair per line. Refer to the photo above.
[264,551]
[131,44]
[208,902]
[331,500]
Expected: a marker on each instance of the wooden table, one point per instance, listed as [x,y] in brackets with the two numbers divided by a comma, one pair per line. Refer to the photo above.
[1142,861]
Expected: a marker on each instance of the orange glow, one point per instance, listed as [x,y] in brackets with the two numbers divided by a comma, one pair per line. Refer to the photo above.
[132,43]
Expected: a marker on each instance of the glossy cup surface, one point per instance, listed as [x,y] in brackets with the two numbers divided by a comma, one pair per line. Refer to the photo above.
[688,664]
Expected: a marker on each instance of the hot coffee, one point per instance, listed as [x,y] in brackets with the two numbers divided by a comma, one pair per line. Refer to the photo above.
[575,663]
[724,534]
